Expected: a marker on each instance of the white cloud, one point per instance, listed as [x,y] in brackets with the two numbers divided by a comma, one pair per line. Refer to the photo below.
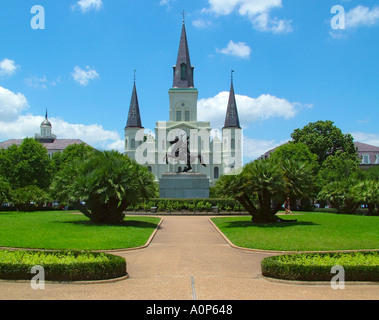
[362,16]
[240,49]
[263,22]
[250,109]
[11,104]
[88,5]
[36,82]
[254,148]
[256,10]
[84,76]
[94,134]
[201,23]
[8,67]
[15,125]
[369,138]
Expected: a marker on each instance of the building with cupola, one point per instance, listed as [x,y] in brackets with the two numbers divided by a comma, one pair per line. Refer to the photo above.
[46,138]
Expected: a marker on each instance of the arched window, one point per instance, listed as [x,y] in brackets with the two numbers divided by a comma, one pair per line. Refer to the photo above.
[149,168]
[216,173]
[133,144]
[126,144]
[183,68]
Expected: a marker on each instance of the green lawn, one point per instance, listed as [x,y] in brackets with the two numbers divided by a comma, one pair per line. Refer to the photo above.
[312,232]
[64,230]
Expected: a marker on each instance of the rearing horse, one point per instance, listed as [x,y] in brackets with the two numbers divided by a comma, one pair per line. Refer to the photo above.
[180,152]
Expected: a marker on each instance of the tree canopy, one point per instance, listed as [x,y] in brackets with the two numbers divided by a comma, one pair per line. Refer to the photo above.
[26,165]
[324,139]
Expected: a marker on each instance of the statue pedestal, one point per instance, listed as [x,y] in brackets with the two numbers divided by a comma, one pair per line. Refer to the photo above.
[184,186]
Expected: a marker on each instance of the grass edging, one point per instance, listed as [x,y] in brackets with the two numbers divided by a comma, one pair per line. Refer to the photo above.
[61,266]
[358,266]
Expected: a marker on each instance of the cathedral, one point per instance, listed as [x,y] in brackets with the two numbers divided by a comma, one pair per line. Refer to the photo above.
[205,152]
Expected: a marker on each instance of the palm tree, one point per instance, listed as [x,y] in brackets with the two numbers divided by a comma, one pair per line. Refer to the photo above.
[367,192]
[340,195]
[104,186]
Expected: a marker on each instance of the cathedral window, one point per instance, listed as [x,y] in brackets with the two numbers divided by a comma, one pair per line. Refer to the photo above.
[216,173]
[183,68]
[178,116]
[133,144]
[187,116]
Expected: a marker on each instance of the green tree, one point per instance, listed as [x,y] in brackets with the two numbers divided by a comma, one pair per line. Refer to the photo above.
[263,185]
[296,152]
[367,192]
[71,154]
[29,198]
[341,195]
[5,190]
[338,167]
[104,186]
[324,139]
[26,165]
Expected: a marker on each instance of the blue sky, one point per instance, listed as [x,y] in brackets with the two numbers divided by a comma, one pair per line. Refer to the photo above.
[291,66]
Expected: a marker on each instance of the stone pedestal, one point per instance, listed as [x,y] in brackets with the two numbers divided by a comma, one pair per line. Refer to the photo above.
[184,186]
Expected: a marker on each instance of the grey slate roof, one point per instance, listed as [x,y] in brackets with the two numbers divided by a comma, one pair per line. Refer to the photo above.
[364,147]
[134,116]
[183,59]
[232,119]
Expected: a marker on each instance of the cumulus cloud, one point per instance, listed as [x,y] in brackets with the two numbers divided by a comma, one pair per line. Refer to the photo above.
[250,109]
[240,50]
[15,125]
[369,138]
[254,148]
[11,104]
[8,67]
[88,5]
[83,77]
[362,16]
[256,10]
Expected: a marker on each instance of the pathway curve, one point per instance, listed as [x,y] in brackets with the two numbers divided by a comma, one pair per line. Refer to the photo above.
[188,259]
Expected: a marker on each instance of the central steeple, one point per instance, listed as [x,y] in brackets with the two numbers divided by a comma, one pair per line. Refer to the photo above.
[183,71]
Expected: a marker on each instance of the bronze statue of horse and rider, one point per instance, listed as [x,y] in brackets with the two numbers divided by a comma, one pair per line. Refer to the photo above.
[180,152]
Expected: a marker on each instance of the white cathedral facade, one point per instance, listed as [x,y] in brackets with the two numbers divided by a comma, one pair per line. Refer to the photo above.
[213,155]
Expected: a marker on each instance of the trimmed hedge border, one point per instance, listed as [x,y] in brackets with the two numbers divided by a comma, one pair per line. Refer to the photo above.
[106,267]
[272,267]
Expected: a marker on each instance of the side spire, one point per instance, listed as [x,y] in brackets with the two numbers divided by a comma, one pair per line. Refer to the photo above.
[232,118]
[134,116]
[183,71]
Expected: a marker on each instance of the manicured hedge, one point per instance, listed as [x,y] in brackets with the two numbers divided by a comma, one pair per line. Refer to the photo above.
[359,266]
[61,265]
[192,205]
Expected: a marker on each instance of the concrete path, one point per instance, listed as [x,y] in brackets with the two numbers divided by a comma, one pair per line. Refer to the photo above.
[187,260]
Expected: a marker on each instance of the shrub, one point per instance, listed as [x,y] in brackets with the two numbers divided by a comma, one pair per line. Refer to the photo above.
[61,265]
[359,266]
[29,198]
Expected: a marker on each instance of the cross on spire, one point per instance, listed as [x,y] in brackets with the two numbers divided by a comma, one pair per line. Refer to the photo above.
[184,16]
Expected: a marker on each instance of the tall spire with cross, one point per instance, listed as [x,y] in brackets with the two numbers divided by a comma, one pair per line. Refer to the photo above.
[232,118]
[183,70]
[134,116]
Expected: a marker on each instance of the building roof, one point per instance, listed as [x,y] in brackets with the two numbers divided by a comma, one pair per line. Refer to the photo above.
[57,145]
[364,147]
[183,71]
[134,116]
[232,119]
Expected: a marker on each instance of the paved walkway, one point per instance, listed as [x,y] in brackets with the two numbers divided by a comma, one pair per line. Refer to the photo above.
[188,259]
